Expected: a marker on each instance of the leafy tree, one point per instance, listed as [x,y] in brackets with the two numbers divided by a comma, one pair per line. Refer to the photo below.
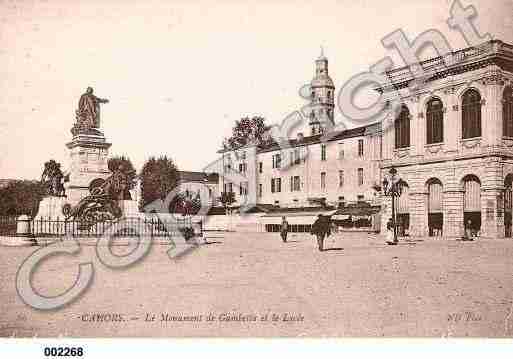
[246,130]
[159,176]
[21,197]
[128,168]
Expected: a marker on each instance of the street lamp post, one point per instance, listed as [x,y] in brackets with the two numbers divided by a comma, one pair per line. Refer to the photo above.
[393,187]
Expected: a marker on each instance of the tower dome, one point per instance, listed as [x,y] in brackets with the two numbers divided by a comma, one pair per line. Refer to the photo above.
[322,78]
[322,97]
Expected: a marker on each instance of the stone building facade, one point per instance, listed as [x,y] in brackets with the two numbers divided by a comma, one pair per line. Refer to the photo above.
[309,171]
[449,135]
[451,140]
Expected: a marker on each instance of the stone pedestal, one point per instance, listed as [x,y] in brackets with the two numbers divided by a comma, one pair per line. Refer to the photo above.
[88,162]
[23,236]
[51,208]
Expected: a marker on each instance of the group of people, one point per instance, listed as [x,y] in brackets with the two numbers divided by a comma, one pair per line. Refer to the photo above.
[321,228]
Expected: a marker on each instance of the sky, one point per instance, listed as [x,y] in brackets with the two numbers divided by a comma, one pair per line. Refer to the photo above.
[178,74]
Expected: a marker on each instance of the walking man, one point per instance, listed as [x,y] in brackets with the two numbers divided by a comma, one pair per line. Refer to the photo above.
[321,228]
[284,229]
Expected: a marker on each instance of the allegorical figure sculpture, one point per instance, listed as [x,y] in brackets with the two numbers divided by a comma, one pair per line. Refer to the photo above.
[52,179]
[88,112]
[102,203]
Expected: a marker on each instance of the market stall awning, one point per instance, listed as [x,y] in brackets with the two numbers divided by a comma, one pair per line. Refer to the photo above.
[358,210]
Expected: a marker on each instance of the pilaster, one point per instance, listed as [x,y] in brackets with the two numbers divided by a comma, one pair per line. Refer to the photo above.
[418,214]
[453,213]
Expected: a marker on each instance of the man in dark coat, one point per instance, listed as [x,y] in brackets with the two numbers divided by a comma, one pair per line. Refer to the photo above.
[284,229]
[321,228]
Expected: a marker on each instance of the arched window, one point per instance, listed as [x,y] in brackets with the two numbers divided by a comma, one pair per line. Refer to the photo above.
[507,112]
[472,197]
[435,121]
[402,128]
[471,114]
[435,196]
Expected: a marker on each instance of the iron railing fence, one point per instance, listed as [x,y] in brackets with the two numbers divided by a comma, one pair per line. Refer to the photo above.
[151,227]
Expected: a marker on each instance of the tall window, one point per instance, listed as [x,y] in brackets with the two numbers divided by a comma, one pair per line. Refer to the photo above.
[507,112]
[341,178]
[294,184]
[360,176]
[360,148]
[471,114]
[323,152]
[341,150]
[323,180]
[435,121]
[260,167]
[275,185]
[243,189]
[277,160]
[260,190]
[296,156]
[402,128]
[228,187]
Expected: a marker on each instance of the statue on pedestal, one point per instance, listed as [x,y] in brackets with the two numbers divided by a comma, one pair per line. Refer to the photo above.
[88,112]
[52,179]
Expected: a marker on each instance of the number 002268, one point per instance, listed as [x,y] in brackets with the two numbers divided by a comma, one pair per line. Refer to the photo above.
[63,352]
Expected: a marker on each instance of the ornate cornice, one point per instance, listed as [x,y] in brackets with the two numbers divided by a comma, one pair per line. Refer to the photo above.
[493,52]
[493,78]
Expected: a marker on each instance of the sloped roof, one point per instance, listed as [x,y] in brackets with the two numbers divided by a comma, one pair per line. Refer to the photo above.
[190,176]
[335,136]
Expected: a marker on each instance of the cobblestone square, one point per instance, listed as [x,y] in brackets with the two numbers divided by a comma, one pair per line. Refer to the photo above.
[246,284]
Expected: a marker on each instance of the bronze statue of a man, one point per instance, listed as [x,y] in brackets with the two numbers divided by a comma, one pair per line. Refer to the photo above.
[88,113]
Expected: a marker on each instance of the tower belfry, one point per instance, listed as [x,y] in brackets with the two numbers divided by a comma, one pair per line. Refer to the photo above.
[322,95]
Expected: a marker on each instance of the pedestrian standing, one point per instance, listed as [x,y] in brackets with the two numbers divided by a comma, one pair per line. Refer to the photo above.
[284,230]
[469,232]
[390,231]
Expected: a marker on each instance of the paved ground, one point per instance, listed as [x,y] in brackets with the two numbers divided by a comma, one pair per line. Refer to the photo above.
[360,287]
